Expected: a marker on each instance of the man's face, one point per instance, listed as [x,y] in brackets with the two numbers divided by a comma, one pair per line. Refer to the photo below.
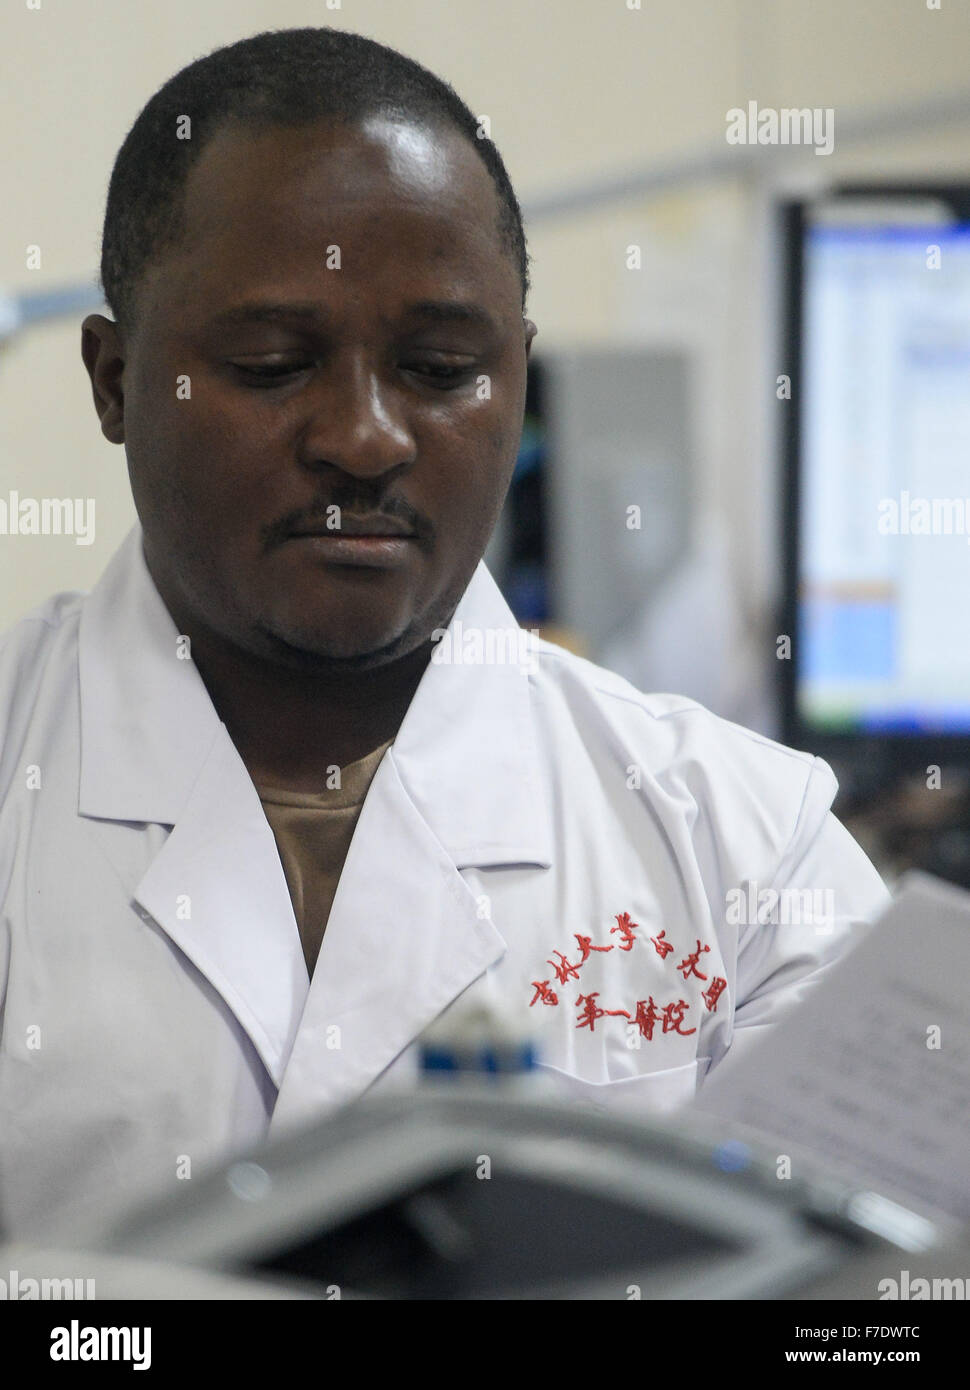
[338,296]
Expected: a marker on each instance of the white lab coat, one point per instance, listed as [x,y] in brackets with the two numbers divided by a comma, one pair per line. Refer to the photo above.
[156,1009]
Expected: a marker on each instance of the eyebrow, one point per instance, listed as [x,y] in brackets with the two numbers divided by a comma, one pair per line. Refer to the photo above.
[242,314]
[451,311]
[443,311]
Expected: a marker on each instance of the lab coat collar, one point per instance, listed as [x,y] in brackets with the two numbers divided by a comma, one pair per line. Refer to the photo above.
[465,752]
[147,723]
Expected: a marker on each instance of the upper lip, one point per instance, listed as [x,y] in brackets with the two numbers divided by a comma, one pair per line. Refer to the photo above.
[375,525]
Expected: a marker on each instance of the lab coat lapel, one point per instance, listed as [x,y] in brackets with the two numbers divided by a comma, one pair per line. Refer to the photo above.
[459,787]
[404,938]
[154,751]
[218,889]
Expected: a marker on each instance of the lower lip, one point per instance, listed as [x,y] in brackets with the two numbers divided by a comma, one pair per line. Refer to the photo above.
[372,552]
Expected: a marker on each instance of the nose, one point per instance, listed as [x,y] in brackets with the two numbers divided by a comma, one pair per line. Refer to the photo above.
[356,422]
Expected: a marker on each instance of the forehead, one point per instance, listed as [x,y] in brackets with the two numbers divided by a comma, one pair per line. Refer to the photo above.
[402,201]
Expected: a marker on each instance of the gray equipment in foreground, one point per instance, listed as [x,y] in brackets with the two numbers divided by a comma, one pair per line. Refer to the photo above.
[462,1191]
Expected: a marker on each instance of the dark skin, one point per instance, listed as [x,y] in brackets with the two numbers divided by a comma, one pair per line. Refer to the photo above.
[354,393]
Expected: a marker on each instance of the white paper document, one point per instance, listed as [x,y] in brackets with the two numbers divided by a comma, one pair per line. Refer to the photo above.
[871,1073]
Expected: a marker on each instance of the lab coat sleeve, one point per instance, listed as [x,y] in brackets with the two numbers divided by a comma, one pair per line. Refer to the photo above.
[25,653]
[780,961]
[4,966]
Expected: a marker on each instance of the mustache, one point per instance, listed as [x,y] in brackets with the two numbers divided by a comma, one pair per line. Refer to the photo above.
[356,503]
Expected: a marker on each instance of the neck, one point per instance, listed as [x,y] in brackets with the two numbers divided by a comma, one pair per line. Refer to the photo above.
[290,727]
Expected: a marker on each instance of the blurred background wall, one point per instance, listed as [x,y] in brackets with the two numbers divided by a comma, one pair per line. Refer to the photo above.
[581,94]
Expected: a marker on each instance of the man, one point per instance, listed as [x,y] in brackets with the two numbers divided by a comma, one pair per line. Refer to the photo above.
[261,822]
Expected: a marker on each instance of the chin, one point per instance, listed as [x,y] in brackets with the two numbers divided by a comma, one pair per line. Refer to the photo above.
[308,644]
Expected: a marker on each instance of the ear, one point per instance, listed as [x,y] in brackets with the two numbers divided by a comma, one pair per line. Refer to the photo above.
[102,352]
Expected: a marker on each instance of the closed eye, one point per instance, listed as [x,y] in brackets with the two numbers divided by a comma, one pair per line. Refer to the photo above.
[268,375]
[263,374]
[440,374]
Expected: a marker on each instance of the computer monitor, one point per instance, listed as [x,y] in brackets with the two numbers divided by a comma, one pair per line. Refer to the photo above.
[877,463]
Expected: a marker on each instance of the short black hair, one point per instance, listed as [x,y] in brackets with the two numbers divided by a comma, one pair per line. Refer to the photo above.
[283,77]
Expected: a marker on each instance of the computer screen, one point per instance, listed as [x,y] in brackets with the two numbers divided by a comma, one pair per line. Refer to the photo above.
[879,465]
